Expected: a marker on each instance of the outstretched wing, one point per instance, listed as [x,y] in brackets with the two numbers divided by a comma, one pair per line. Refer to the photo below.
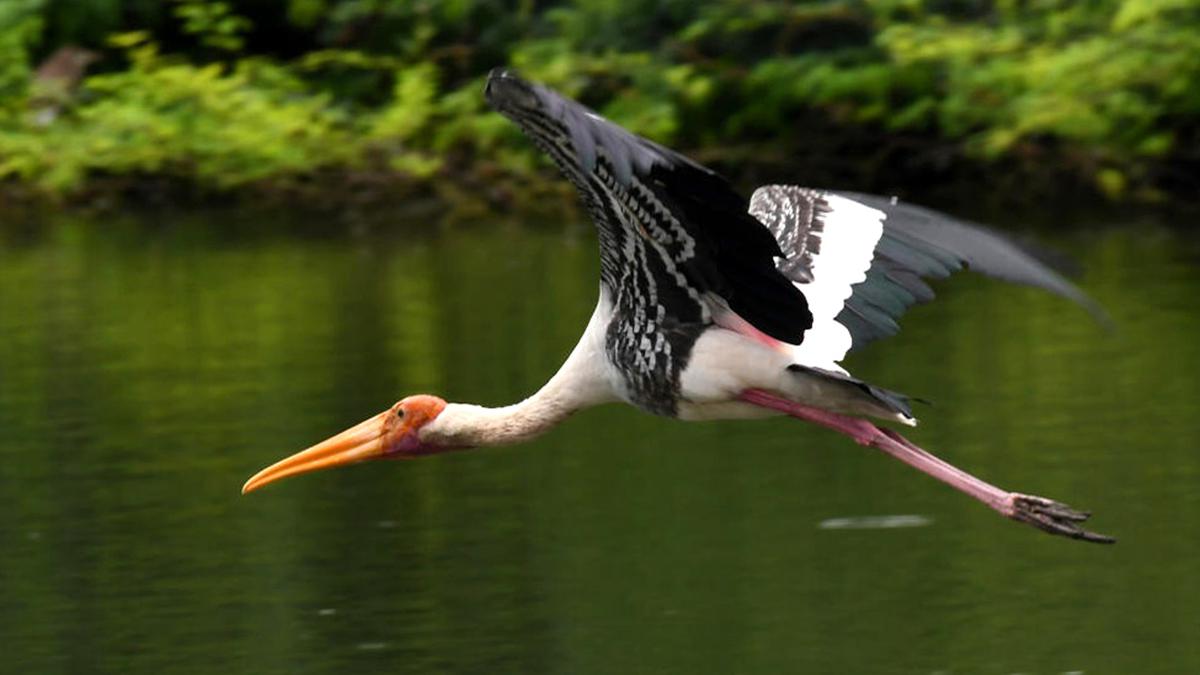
[862,260]
[672,232]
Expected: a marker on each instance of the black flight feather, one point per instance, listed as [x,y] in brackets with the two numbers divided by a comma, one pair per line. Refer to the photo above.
[919,242]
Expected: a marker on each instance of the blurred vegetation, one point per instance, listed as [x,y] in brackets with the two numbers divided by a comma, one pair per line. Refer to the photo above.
[352,97]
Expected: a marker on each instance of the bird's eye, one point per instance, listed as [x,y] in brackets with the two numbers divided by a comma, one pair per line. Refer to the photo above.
[399,413]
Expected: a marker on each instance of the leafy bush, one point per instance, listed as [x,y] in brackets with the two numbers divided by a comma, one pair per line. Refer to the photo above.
[19,28]
[222,126]
[226,96]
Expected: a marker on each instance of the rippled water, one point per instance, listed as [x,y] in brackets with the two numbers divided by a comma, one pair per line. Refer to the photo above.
[149,364]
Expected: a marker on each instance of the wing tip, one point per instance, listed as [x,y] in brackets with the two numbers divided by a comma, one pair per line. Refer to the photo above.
[1099,314]
[1042,267]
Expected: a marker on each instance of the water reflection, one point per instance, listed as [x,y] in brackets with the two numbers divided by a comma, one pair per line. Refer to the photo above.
[874,522]
[148,365]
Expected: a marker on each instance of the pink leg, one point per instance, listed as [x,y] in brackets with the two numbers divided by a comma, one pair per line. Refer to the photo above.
[1042,513]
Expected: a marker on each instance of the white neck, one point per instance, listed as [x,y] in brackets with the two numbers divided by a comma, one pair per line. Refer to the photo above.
[585,379]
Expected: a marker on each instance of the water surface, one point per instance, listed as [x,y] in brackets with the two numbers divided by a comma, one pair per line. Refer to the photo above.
[150,363]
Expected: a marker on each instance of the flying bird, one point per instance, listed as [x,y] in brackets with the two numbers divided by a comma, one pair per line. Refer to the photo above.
[715,307]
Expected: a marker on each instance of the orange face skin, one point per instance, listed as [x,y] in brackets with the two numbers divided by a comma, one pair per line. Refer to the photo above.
[401,426]
[394,433]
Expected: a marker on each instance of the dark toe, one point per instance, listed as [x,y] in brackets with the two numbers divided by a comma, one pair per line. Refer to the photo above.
[1055,518]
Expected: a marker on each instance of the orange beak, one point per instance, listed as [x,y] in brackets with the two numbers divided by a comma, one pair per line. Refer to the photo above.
[359,443]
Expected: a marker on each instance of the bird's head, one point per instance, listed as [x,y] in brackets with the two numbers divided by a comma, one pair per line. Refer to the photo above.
[400,432]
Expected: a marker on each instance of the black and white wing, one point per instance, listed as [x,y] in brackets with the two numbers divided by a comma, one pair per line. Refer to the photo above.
[862,260]
[658,210]
[677,242]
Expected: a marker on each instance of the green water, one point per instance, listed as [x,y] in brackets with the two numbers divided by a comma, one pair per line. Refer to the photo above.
[149,364]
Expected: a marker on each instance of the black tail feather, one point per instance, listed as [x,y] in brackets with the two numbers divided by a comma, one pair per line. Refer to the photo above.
[891,400]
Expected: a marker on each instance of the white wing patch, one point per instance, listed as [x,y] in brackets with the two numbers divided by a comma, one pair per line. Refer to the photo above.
[848,237]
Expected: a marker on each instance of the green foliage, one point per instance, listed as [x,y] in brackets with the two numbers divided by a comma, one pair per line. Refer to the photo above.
[1104,89]
[400,124]
[213,22]
[223,127]
[20,24]
[1108,91]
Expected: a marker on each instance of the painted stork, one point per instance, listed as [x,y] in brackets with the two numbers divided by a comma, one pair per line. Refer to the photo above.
[714,308]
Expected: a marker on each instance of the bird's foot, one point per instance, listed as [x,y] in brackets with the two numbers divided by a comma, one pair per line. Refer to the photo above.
[1050,516]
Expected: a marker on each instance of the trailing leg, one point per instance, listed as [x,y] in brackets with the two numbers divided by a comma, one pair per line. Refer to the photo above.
[1044,514]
